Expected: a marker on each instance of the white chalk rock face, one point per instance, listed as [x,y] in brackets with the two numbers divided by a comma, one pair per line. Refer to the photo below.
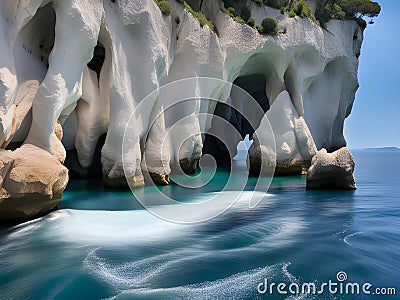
[76,30]
[305,81]
[156,157]
[32,182]
[332,170]
[140,38]
[294,144]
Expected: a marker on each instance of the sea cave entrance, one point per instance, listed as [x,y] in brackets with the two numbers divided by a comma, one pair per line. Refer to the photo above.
[224,150]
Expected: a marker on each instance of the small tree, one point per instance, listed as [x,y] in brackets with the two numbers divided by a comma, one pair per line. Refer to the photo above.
[270,26]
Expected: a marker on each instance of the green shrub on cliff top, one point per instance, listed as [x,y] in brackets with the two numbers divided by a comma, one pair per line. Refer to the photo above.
[270,26]
[251,22]
[164,6]
[302,9]
[239,13]
[239,20]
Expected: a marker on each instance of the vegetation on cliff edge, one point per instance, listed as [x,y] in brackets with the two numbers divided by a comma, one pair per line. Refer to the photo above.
[325,10]
[164,6]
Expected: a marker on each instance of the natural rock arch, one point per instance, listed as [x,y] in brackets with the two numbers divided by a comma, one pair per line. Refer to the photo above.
[254,85]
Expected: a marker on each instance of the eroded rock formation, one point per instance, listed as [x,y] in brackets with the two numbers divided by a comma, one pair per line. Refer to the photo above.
[332,170]
[88,64]
[32,182]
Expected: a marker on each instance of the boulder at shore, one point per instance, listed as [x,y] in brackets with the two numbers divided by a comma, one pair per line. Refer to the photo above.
[332,170]
[32,182]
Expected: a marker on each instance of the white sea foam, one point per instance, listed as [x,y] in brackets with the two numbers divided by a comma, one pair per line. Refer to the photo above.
[102,228]
[134,274]
[348,237]
[287,273]
[235,286]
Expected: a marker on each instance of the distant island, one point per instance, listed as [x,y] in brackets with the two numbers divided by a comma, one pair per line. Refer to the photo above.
[382,149]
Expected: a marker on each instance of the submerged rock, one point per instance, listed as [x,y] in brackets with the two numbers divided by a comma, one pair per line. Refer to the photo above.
[332,170]
[32,182]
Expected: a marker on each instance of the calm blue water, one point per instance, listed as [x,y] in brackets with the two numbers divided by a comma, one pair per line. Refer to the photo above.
[102,244]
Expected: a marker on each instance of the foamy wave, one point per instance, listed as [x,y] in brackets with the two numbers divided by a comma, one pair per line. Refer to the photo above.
[133,274]
[102,228]
[239,285]
[347,237]
[144,279]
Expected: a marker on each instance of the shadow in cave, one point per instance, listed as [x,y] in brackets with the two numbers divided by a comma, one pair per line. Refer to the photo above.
[94,171]
[255,85]
[99,54]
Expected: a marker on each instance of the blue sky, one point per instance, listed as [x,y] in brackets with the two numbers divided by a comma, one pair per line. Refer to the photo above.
[375,119]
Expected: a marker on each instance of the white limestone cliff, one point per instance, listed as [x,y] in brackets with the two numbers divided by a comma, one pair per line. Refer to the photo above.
[309,76]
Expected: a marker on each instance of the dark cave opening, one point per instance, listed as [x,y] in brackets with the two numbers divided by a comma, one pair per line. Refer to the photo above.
[255,85]
[99,55]
[94,171]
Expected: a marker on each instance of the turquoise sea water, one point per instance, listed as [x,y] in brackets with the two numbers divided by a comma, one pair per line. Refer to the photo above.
[103,244]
